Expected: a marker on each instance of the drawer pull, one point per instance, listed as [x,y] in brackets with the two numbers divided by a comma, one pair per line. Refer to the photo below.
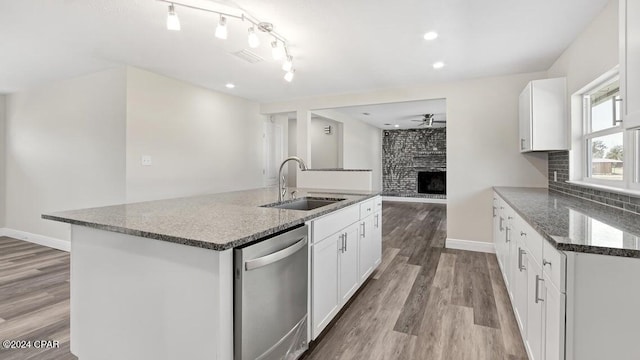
[522,233]
[501,223]
[520,264]
[507,233]
[545,262]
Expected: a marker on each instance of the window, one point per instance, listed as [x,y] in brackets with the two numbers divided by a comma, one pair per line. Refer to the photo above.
[603,137]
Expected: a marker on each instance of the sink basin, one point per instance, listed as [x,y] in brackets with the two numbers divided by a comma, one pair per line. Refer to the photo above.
[304,204]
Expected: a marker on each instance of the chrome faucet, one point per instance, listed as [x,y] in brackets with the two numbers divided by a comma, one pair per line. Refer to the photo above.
[282,186]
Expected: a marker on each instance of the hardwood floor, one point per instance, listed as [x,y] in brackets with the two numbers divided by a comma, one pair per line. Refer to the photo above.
[424,301]
[34,299]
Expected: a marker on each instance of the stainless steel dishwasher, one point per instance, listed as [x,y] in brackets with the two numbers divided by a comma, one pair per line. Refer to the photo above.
[270,298]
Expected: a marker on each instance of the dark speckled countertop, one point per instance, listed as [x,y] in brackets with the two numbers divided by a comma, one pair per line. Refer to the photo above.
[573,224]
[217,221]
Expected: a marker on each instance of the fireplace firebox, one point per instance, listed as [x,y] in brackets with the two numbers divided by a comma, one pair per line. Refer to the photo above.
[432,182]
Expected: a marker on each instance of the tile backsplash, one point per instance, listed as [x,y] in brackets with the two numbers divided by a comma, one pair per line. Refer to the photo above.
[559,162]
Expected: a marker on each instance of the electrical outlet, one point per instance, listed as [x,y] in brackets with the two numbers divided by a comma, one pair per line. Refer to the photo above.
[146,160]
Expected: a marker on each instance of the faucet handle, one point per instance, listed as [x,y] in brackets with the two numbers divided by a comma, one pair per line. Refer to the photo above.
[293,194]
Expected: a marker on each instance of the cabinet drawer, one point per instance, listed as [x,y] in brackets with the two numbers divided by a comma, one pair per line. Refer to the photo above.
[334,222]
[532,240]
[366,208]
[554,265]
[377,203]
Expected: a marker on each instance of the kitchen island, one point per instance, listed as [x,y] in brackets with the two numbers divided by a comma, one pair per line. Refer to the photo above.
[154,280]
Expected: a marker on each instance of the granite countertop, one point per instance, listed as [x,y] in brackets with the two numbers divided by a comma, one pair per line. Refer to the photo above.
[573,224]
[217,221]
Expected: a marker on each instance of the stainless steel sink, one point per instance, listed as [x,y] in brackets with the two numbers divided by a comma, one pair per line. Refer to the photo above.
[304,204]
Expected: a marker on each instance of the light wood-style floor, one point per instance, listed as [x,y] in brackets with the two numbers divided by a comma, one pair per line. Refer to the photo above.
[34,299]
[424,302]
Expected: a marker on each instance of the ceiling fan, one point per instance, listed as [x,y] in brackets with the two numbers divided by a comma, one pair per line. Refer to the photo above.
[428,120]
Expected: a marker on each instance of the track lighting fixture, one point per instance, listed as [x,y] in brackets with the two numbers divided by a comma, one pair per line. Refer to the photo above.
[279,45]
[277,52]
[253,40]
[173,23]
[287,65]
[289,75]
[221,29]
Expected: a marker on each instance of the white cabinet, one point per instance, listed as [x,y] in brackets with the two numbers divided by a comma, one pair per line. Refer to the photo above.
[345,249]
[630,62]
[366,247]
[326,299]
[543,116]
[348,264]
[520,288]
[535,332]
[554,321]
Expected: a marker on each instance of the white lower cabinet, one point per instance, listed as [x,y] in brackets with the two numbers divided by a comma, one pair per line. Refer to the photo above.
[343,260]
[534,339]
[534,274]
[348,264]
[326,299]
[554,321]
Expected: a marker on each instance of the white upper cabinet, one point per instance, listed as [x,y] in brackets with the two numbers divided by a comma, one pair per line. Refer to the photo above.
[630,62]
[543,116]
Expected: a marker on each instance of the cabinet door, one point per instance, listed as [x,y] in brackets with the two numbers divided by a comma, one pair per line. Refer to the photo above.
[506,253]
[325,300]
[524,118]
[520,287]
[349,278]
[365,248]
[376,252]
[630,62]
[534,309]
[554,325]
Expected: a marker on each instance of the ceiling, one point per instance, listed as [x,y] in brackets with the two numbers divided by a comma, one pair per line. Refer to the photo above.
[401,114]
[338,46]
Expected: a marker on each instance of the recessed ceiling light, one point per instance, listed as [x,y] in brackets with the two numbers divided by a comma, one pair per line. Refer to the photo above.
[230,86]
[396,125]
[431,35]
[366,113]
[438,65]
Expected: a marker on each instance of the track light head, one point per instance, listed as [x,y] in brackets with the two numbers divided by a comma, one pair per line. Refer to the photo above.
[253,40]
[277,51]
[173,23]
[221,29]
[287,65]
[289,75]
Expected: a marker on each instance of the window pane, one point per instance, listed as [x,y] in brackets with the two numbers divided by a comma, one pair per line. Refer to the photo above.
[604,107]
[606,154]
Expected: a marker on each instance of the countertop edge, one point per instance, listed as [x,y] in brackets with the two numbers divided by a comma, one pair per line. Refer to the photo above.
[598,250]
[205,244]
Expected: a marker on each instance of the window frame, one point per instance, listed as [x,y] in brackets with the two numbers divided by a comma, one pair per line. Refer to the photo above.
[631,175]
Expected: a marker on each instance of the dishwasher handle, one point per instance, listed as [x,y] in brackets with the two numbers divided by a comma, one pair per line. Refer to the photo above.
[276,256]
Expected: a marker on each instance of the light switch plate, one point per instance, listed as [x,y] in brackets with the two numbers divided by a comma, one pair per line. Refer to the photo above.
[146,160]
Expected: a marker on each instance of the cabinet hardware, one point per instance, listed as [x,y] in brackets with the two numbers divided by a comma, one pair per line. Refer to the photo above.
[545,262]
[507,231]
[501,223]
[346,243]
[521,144]
[538,279]
[522,233]
[377,221]
[363,229]
[495,211]
[341,243]
[520,264]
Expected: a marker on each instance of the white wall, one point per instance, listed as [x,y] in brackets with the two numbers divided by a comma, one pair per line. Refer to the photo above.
[324,147]
[65,149]
[200,141]
[362,144]
[292,145]
[592,53]
[2,158]
[482,142]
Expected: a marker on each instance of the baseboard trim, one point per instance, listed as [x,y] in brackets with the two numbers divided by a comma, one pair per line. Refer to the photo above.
[477,246]
[412,199]
[37,239]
